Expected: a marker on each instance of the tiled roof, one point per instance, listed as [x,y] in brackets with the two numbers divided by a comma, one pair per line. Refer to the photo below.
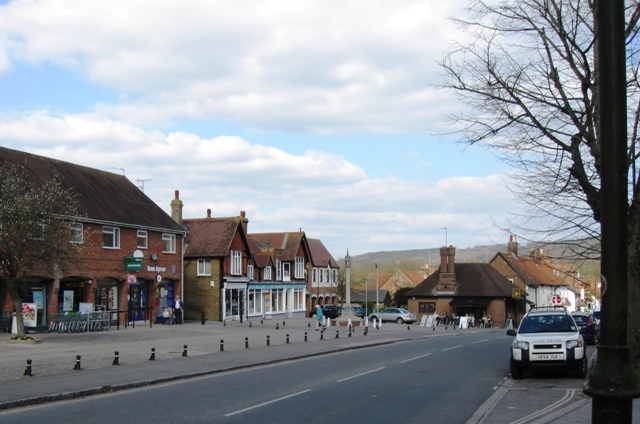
[473,279]
[320,256]
[210,237]
[287,242]
[533,272]
[103,196]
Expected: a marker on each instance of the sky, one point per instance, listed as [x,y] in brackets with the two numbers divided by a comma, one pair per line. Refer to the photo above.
[323,116]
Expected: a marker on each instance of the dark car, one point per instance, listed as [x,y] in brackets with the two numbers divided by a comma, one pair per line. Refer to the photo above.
[589,327]
[331,311]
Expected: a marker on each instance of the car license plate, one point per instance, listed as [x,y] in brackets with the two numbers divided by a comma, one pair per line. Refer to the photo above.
[548,357]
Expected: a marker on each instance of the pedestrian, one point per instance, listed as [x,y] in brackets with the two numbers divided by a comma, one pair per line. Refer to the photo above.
[319,317]
[178,309]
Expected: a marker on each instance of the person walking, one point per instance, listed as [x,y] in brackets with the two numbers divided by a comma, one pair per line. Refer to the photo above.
[319,317]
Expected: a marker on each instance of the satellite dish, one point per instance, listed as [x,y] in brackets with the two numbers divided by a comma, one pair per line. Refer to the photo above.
[138,254]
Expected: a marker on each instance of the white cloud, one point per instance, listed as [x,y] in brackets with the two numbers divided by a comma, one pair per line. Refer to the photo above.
[323,66]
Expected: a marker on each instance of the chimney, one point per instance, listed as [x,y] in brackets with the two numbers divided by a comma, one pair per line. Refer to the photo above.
[244,221]
[208,213]
[176,208]
[512,247]
[447,278]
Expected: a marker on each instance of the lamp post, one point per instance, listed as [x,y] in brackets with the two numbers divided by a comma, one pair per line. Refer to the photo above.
[347,312]
[377,306]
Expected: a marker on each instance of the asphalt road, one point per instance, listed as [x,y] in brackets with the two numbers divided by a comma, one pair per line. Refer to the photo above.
[439,380]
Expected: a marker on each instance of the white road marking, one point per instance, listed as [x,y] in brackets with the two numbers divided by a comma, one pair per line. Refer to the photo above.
[480,341]
[360,375]
[450,348]
[267,403]
[413,359]
[566,399]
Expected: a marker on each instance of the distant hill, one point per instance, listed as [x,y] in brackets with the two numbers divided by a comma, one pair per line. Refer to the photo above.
[417,259]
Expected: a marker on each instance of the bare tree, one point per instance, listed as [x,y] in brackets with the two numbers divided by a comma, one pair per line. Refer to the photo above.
[527,73]
[35,235]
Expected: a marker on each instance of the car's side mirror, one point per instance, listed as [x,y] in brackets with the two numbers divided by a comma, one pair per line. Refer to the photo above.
[511,332]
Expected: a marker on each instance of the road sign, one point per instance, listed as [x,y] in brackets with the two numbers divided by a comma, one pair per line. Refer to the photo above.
[556,300]
[515,293]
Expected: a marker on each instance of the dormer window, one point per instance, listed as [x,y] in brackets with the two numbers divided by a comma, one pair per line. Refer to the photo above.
[286,271]
[299,268]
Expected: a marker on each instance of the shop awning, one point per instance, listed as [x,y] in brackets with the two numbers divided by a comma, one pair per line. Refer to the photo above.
[470,301]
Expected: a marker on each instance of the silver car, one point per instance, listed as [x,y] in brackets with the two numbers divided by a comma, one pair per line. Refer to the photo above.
[398,315]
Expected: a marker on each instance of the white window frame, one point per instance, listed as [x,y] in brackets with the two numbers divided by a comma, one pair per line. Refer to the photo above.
[286,271]
[77,232]
[143,236]
[250,272]
[267,273]
[299,271]
[114,234]
[278,270]
[203,267]
[168,243]
[236,262]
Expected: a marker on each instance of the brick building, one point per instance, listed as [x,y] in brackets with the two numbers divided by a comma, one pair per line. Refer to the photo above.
[131,259]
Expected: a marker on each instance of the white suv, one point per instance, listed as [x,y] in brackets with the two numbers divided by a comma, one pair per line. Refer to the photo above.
[548,337]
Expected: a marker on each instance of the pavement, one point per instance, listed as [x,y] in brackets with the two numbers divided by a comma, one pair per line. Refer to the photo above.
[75,365]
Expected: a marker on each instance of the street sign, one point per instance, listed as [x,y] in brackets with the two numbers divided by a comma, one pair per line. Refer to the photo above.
[515,293]
[556,300]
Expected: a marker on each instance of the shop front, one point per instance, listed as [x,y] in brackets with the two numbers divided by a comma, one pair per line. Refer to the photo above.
[33,293]
[107,295]
[164,298]
[234,300]
[274,301]
[139,305]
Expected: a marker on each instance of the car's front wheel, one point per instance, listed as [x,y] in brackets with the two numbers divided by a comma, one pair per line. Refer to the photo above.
[516,373]
[581,371]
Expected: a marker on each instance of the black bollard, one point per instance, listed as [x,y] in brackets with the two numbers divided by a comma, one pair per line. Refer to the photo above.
[250,323]
[268,340]
[309,324]
[305,336]
[224,324]
[322,335]
[434,328]
[408,328]
[246,342]
[27,371]
[277,326]
[337,334]
[283,323]
[184,352]
[202,317]
[366,330]
[116,358]
[153,354]
[261,321]
[221,345]
[77,366]
[349,334]
[287,339]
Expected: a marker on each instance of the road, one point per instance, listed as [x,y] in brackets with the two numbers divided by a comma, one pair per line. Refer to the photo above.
[440,380]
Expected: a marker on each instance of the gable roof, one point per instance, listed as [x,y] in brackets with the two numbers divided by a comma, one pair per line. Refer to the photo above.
[287,243]
[473,280]
[211,237]
[103,197]
[533,272]
[320,256]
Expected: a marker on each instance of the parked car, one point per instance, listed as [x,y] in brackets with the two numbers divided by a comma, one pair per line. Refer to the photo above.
[589,327]
[547,338]
[331,311]
[398,315]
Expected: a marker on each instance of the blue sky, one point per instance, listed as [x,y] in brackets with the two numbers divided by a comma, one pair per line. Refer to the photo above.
[320,115]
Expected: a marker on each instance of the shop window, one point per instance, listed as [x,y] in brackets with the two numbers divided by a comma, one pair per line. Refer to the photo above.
[426,307]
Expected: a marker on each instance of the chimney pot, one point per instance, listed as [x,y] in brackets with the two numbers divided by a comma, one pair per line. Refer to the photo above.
[208,213]
[177,194]
[242,214]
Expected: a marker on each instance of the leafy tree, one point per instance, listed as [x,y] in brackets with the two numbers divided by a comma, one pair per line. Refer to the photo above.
[527,73]
[399,297]
[34,230]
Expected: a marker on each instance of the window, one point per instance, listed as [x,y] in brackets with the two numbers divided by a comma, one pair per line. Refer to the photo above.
[314,275]
[143,239]
[250,272]
[236,262]
[204,267]
[267,273]
[335,276]
[169,243]
[111,237]
[278,270]
[77,234]
[299,267]
[426,307]
[286,271]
